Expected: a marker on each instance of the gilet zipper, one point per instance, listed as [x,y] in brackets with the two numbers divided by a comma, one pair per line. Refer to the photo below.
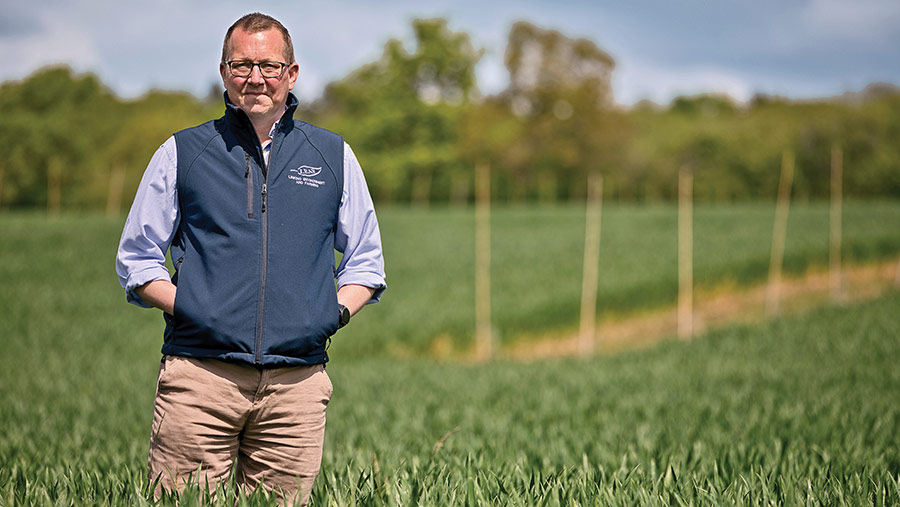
[265,248]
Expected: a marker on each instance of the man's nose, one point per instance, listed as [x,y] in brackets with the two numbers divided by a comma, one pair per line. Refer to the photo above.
[256,76]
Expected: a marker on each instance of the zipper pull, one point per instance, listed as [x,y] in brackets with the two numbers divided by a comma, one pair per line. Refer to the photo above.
[249,178]
[264,197]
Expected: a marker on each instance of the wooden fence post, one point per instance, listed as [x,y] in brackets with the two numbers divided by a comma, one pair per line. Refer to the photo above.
[459,189]
[54,186]
[421,189]
[779,231]
[897,274]
[685,253]
[593,210]
[835,217]
[114,194]
[483,331]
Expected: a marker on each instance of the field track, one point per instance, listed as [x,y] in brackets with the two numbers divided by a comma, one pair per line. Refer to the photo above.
[714,309]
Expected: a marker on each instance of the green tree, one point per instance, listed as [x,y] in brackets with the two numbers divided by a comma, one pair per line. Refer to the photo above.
[565,122]
[52,123]
[402,113]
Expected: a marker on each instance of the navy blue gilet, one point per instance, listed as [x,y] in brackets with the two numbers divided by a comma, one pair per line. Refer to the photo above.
[254,249]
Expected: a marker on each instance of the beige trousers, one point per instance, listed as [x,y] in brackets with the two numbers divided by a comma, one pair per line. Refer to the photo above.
[213,416]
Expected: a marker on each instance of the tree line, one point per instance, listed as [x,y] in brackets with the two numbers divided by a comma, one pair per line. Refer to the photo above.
[420,126]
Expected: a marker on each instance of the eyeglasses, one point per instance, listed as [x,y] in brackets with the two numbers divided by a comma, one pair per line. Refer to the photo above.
[243,68]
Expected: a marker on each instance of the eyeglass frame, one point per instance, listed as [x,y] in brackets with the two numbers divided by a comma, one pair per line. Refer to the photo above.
[284,67]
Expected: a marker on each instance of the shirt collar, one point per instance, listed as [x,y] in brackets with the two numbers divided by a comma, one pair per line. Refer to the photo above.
[275,126]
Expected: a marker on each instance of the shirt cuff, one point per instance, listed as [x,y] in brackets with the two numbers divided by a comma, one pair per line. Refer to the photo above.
[366,279]
[140,278]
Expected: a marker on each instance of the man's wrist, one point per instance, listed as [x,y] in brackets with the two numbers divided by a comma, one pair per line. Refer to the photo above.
[344,315]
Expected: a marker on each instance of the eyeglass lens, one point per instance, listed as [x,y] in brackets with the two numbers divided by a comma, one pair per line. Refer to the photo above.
[243,68]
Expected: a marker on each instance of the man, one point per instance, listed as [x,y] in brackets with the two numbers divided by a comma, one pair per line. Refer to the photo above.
[251,208]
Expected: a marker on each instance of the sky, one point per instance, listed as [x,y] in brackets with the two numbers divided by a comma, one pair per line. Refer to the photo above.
[662,48]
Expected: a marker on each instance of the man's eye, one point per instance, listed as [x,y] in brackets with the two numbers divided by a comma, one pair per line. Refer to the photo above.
[270,67]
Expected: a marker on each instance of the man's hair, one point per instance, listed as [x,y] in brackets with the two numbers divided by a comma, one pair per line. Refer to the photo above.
[254,23]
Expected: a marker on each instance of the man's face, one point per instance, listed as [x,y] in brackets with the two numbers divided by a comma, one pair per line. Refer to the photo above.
[262,98]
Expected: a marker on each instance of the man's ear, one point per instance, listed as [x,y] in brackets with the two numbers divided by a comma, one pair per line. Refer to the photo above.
[293,72]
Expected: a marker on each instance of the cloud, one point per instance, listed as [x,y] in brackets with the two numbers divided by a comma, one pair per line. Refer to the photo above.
[49,41]
[636,81]
[861,20]
[17,22]
[661,49]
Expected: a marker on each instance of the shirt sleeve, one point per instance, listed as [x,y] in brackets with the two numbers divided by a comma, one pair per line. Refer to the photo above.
[357,235]
[150,225]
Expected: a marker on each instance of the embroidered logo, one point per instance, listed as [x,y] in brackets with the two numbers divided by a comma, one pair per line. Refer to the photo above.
[305,175]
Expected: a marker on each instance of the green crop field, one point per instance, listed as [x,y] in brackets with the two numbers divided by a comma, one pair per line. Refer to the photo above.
[799,410]
[537,263]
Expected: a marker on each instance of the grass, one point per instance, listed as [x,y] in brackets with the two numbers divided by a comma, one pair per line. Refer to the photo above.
[536,271]
[537,255]
[800,410]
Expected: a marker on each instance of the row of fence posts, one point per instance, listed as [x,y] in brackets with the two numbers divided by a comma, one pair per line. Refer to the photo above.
[587,329]
[116,186]
[587,335]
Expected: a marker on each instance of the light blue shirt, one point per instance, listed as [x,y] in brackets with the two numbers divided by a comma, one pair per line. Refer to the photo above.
[153,219]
